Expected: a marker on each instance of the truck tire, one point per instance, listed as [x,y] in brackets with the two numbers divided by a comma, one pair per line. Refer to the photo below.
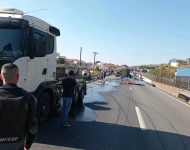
[76,98]
[81,97]
[43,107]
[57,110]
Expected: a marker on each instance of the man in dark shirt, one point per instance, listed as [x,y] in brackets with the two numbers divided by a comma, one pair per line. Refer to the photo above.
[18,121]
[68,84]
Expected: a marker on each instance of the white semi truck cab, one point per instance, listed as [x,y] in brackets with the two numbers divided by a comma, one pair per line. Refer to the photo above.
[30,43]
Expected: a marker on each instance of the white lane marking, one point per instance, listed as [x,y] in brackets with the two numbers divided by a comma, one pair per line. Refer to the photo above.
[140,118]
[171,97]
[130,88]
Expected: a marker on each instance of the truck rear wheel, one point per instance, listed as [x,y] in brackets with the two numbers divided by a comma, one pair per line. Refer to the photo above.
[81,97]
[76,98]
[43,107]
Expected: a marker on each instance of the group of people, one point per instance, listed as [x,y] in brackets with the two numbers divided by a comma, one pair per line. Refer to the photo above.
[18,117]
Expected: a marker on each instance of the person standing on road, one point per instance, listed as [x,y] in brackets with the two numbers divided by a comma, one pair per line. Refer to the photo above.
[69,85]
[18,121]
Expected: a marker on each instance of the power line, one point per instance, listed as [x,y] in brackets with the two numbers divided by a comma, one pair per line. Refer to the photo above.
[80,55]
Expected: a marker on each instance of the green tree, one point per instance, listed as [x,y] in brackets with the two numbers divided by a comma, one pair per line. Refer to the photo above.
[164,70]
[98,69]
[61,60]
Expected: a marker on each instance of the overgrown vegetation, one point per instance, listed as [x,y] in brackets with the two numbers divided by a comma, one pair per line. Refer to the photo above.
[61,60]
[164,70]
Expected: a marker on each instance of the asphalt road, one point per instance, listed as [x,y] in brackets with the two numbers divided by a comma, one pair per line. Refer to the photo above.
[121,117]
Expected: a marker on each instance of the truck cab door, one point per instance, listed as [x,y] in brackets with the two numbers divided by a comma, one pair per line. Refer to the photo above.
[22,64]
[51,55]
[37,64]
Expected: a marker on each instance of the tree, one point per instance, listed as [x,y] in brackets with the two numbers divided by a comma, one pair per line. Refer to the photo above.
[98,69]
[164,70]
[125,66]
[61,60]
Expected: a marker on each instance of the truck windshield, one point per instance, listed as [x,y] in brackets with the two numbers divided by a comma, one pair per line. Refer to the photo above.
[10,43]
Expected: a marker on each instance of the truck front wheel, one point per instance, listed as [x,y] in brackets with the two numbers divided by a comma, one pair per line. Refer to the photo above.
[43,107]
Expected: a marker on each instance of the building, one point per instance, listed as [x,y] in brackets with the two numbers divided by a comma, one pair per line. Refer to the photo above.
[177,62]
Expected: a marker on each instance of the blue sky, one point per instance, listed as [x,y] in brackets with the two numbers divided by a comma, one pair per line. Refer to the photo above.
[131,32]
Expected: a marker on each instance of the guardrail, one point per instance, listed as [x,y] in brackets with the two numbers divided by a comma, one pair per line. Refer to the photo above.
[183,84]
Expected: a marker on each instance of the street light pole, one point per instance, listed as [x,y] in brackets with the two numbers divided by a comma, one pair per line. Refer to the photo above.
[80,55]
[95,53]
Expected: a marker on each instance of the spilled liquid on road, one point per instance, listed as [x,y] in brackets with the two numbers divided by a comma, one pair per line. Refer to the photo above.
[94,101]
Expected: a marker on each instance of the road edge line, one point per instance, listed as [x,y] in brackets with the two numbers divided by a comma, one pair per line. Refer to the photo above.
[178,100]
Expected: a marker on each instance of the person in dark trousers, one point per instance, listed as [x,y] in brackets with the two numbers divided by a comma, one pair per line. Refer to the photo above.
[69,85]
[18,121]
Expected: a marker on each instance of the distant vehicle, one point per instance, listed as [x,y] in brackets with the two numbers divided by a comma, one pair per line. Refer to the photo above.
[117,74]
[125,72]
[86,73]
[144,70]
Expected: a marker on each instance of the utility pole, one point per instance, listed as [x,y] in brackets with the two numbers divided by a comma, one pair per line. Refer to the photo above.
[95,53]
[80,55]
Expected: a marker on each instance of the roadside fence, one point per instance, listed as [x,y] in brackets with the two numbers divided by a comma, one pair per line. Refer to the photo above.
[179,82]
